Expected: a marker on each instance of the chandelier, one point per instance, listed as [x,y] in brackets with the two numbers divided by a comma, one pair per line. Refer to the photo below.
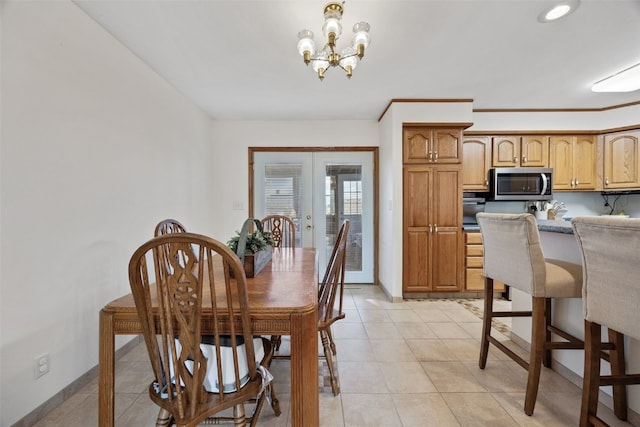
[328,56]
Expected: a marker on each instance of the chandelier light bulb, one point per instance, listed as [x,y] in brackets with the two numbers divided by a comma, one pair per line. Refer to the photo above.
[306,45]
[332,30]
[349,60]
[319,63]
[323,58]
[361,38]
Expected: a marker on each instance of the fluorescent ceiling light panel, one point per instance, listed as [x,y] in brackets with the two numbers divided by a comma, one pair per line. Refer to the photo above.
[625,81]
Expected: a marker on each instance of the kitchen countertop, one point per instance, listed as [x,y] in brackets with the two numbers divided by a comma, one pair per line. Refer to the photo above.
[555,226]
[552,226]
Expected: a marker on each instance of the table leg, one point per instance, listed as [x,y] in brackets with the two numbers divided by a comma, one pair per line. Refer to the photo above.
[106,363]
[305,406]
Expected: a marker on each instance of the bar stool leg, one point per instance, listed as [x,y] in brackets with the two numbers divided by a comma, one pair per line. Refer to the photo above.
[591,380]
[616,359]
[546,360]
[486,321]
[538,331]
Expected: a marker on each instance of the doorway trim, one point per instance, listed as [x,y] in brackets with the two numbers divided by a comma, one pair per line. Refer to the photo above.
[373,150]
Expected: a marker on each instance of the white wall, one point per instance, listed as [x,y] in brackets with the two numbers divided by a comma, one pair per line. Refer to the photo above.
[561,121]
[232,139]
[96,149]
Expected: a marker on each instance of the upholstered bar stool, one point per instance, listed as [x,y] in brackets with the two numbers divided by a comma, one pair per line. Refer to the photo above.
[513,255]
[610,297]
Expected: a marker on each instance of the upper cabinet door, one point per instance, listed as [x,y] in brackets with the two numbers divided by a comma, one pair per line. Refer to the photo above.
[425,144]
[506,151]
[561,159]
[417,145]
[585,155]
[447,145]
[476,162]
[621,161]
[534,151]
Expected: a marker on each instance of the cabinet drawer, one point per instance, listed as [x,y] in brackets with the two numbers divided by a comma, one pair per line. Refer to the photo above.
[474,262]
[473,238]
[475,250]
[475,279]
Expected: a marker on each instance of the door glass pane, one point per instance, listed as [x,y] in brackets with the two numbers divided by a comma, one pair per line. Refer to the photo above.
[282,193]
[343,200]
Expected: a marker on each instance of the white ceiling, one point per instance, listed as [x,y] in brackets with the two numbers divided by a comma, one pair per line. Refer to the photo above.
[238,60]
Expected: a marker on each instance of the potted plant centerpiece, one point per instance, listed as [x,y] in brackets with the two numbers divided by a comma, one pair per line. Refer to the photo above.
[253,249]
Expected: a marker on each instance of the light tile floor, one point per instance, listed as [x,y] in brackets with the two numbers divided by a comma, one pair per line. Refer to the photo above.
[400,364]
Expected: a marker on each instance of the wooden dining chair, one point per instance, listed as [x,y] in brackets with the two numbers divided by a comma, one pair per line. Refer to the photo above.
[169,226]
[513,255]
[283,231]
[282,228]
[330,296]
[610,298]
[199,369]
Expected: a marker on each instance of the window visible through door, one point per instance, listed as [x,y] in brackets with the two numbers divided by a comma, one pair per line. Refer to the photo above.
[318,190]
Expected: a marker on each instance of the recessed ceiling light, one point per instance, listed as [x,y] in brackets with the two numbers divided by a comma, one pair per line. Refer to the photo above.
[626,80]
[558,10]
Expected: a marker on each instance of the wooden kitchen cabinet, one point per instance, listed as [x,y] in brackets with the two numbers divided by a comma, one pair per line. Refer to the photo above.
[520,151]
[474,263]
[574,162]
[621,161]
[476,162]
[428,144]
[432,228]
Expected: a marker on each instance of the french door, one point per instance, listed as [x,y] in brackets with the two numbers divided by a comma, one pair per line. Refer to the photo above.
[318,190]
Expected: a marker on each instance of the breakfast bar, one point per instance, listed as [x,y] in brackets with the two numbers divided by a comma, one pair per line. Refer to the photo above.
[558,242]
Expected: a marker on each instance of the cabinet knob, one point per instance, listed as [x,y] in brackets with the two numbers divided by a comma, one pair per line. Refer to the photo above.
[524,159]
[430,156]
[436,154]
[606,181]
[486,182]
[515,159]
[577,182]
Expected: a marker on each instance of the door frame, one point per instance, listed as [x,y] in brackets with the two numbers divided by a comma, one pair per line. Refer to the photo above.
[373,150]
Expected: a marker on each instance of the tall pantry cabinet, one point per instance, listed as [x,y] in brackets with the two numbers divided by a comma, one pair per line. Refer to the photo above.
[432,209]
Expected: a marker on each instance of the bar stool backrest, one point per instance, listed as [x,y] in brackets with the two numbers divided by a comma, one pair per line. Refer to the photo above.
[610,249]
[512,251]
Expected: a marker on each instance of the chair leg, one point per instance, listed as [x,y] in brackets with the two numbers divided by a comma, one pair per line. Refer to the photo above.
[616,358]
[239,416]
[331,343]
[164,418]
[335,387]
[275,403]
[276,340]
[486,321]
[591,380]
[538,328]
[546,359]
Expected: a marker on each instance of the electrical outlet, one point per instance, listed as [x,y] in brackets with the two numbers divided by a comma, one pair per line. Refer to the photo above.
[41,365]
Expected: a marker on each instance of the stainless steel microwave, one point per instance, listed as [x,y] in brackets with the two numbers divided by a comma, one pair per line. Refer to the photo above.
[521,184]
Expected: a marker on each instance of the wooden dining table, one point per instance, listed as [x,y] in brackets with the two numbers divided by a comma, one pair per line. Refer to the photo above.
[283,300]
